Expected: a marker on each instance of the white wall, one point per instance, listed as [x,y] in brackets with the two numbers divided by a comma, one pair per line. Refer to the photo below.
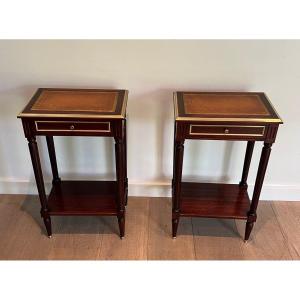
[151,71]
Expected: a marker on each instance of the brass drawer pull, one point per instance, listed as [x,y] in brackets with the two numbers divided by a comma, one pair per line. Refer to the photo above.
[226,131]
[72,127]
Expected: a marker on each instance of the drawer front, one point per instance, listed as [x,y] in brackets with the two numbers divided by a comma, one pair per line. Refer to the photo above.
[229,130]
[69,126]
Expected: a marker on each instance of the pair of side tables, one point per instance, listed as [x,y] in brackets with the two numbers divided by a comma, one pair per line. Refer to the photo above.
[238,116]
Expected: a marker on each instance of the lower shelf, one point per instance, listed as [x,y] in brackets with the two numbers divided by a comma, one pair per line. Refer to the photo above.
[213,200]
[83,198]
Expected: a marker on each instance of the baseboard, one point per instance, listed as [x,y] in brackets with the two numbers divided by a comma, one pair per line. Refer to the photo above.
[156,189]
[269,191]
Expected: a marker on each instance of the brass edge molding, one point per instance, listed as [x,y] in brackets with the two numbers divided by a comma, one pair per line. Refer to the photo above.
[229,119]
[279,118]
[71,130]
[175,105]
[94,116]
[124,106]
[227,134]
[81,116]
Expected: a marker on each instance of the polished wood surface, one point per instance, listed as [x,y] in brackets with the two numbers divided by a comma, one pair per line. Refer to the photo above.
[224,105]
[148,234]
[71,126]
[238,116]
[78,112]
[213,200]
[83,198]
[247,161]
[78,103]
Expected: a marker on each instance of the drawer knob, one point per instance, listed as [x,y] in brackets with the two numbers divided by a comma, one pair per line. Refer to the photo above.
[72,127]
[226,131]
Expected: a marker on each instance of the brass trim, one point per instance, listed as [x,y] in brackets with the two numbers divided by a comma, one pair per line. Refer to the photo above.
[262,120]
[229,119]
[273,108]
[123,109]
[227,134]
[175,105]
[82,116]
[71,130]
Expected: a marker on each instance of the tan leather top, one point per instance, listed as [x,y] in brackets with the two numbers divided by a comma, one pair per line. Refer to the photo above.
[89,101]
[217,104]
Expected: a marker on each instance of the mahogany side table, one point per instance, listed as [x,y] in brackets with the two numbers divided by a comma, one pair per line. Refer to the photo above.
[221,116]
[78,112]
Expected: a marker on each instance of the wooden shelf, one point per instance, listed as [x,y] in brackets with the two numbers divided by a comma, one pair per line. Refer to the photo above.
[83,198]
[212,200]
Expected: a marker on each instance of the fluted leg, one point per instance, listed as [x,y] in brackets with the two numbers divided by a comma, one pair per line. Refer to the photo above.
[125,163]
[52,156]
[247,161]
[34,153]
[176,186]
[120,163]
[263,163]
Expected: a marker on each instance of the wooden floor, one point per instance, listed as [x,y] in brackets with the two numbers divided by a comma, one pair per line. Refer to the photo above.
[276,234]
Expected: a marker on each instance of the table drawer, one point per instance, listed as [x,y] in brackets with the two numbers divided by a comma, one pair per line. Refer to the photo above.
[72,126]
[227,130]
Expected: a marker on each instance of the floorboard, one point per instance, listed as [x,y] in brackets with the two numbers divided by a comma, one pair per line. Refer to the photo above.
[275,235]
[288,216]
[160,242]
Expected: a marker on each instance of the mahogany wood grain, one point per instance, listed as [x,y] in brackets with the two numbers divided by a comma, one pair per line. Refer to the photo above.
[34,152]
[83,198]
[78,112]
[247,161]
[52,156]
[263,163]
[240,116]
[213,200]
[178,157]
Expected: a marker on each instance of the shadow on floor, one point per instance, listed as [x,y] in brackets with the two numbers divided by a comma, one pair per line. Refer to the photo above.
[214,227]
[70,224]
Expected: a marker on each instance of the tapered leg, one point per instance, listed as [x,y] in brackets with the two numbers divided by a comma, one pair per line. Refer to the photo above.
[52,156]
[247,161]
[263,163]
[125,163]
[120,162]
[178,162]
[121,221]
[249,226]
[34,153]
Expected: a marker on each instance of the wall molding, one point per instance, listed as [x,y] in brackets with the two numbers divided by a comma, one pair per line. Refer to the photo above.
[155,189]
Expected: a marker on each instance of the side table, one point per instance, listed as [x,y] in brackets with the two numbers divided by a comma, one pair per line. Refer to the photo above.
[221,116]
[78,112]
